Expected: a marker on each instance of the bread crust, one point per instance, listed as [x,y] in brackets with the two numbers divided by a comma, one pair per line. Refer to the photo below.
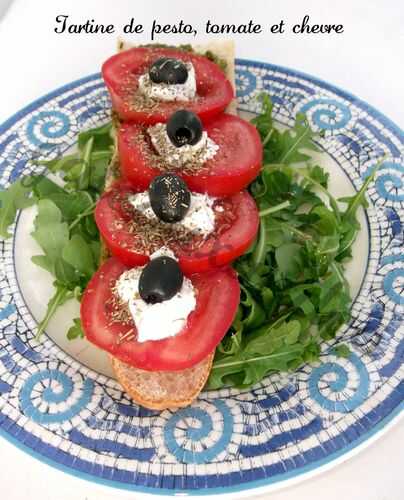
[163,390]
[169,389]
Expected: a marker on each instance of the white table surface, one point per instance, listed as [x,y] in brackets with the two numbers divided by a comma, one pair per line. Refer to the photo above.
[367,60]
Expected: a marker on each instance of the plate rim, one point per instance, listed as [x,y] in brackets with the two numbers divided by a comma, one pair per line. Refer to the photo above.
[265,485]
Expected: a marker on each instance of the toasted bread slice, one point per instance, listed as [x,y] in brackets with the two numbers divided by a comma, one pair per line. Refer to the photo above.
[168,389]
[161,390]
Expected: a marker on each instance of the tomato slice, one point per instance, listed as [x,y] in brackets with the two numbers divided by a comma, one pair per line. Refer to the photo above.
[217,299]
[235,165]
[121,73]
[124,230]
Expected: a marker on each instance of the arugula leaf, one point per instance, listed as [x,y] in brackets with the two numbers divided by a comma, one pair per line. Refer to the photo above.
[354,202]
[66,274]
[86,169]
[264,121]
[253,367]
[270,338]
[99,165]
[260,247]
[60,164]
[325,222]
[75,331]
[289,260]
[42,261]
[253,313]
[300,297]
[342,351]
[43,187]
[61,295]
[299,137]
[101,136]
[50,232]
[283,147]
[231,344]
[72,205]
[16,197]
[318,178]
[329,324]
[79,254]
[95,247]
[349,224]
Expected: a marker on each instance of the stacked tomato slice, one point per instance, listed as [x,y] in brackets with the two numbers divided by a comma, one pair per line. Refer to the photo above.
[235,165]
[206,263]
[122,71]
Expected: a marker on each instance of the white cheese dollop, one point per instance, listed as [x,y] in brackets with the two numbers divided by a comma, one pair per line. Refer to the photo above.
[202,151]
[200,218]
[161,320]
[163,252]
[169,91]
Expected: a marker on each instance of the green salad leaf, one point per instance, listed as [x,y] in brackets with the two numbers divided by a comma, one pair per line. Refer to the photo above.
[76,330]
[16,197]
[342,351]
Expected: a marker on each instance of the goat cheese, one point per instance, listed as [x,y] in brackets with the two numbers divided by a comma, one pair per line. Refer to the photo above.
[163,319]
[204,150]
[169,91]
[200,218]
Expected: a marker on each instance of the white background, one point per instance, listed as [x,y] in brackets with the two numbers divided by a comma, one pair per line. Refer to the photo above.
[367,60]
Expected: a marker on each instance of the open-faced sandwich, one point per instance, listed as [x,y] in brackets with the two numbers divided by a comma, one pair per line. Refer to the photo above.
[194,263]
[173,217]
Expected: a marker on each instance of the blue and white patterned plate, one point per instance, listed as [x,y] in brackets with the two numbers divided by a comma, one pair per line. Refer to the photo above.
[58,403]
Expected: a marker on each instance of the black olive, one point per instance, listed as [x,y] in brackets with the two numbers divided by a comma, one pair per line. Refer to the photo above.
[169,197]
[184,127]
[168,70]
[160,280]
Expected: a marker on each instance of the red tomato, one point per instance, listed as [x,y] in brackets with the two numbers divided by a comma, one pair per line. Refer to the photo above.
[121,73]
[217,299]
[235,165]
[235,229]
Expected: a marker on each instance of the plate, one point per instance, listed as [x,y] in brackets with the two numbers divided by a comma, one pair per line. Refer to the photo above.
[58,400]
